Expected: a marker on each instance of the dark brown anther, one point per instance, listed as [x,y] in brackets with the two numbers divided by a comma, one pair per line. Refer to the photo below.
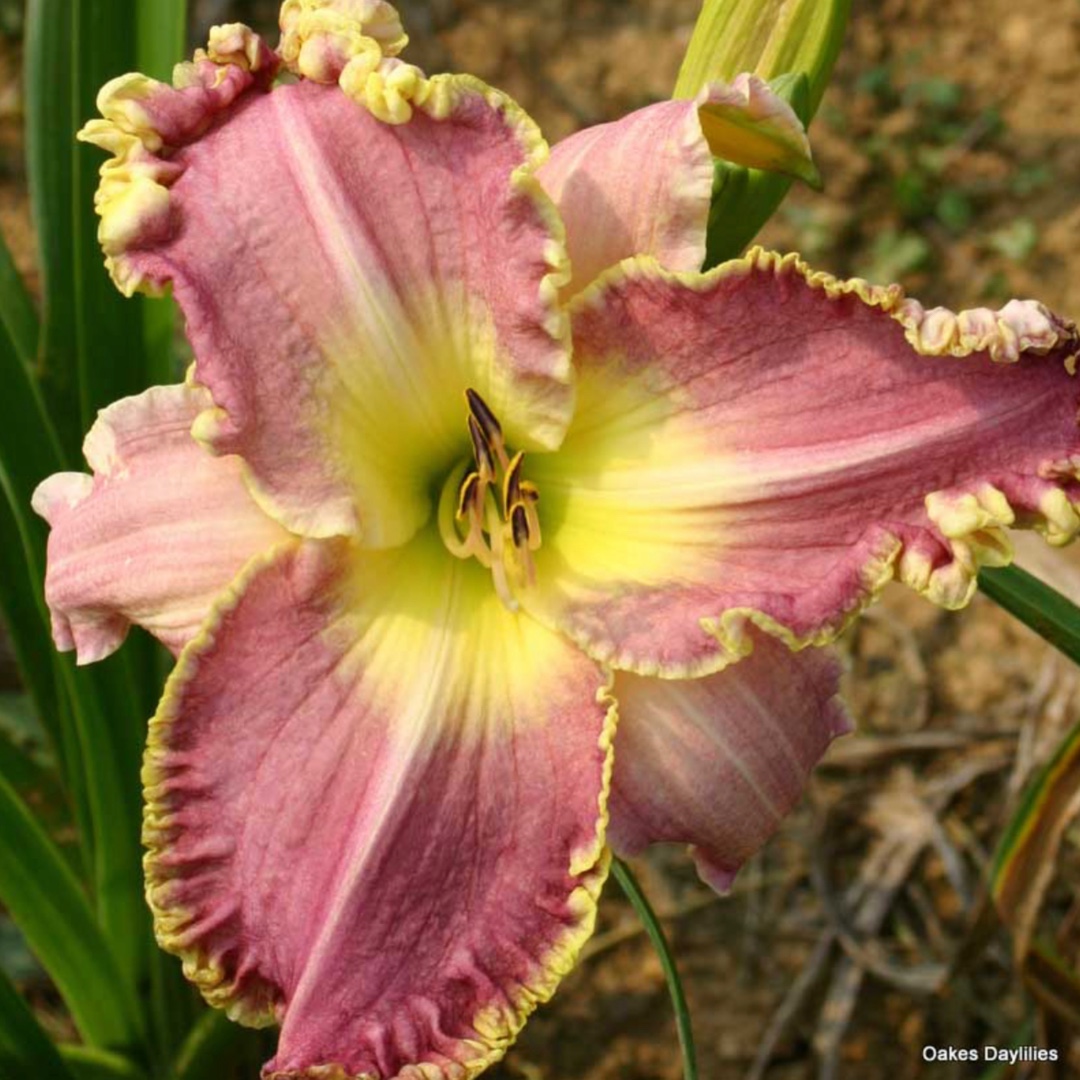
[467,494]
[484,417]
[511,492]
[519,524]
[528,491]
[482,449]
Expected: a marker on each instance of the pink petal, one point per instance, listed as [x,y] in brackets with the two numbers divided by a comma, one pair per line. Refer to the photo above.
[375,810]
[643,184]
[718,762]
[767,445]
[640,185]
[344,280]
[157,532]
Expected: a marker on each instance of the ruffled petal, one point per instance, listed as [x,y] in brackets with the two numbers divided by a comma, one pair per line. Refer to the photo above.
[376,810]
[154,535]
[718,762]
[763,444]
[642,185]
[345,279]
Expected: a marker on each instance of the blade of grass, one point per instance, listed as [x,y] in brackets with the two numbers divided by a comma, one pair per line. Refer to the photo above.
[628,883]
[25,1050]
[44,898]
[1034,603]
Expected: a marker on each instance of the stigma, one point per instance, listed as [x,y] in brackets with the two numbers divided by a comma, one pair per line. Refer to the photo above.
[487,511]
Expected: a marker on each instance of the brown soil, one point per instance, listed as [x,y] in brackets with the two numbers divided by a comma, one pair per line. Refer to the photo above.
[950,146]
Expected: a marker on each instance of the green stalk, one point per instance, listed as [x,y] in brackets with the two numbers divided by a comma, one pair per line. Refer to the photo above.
[628,884]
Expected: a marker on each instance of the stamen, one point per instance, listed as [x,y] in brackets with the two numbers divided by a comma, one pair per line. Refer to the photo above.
[488,512]
[498,561]
[484,416]
[519,525]
[530,497]
[467,494]
[511,492]
[482,450]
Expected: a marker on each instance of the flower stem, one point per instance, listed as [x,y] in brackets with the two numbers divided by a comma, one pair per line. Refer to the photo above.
[628,884]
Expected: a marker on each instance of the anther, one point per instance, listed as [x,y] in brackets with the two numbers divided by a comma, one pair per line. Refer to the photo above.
[484,416]
[511,492]
[467,495]
[519,524]
[482,449]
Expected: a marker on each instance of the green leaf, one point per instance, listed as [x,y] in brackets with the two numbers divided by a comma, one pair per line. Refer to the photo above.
[25,1050]
[212,1045]
[161,37]
[89,1063]
[1027,855]
[627,882]
[1034,603]
[92,349]
[161,44]
[17,314]
[44,898]
[95,720]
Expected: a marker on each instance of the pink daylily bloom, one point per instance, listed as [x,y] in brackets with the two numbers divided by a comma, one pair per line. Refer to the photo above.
[474,565]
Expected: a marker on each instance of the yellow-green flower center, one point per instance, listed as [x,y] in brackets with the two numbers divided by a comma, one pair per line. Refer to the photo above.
[486,510]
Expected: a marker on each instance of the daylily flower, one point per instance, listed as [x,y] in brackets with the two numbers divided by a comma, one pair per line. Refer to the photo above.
[435,525]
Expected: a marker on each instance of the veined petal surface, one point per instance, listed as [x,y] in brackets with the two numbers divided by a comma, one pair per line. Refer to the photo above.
[642,185]
[637,186]
[154,535]
[718,762]
[344,280]
[762,444]
[376,810]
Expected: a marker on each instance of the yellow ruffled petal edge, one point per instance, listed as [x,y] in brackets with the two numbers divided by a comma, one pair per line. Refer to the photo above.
[972,522]
[158,821]
[497,1027]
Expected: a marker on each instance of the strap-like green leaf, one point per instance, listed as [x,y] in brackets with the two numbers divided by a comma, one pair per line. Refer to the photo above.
[1027,855]
[17,314]
[96,719]
[161,37]
[212,1045]
[25,1050]
[44,898]
[628,883]
[89,1063]
[1034,603]
[92,339]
